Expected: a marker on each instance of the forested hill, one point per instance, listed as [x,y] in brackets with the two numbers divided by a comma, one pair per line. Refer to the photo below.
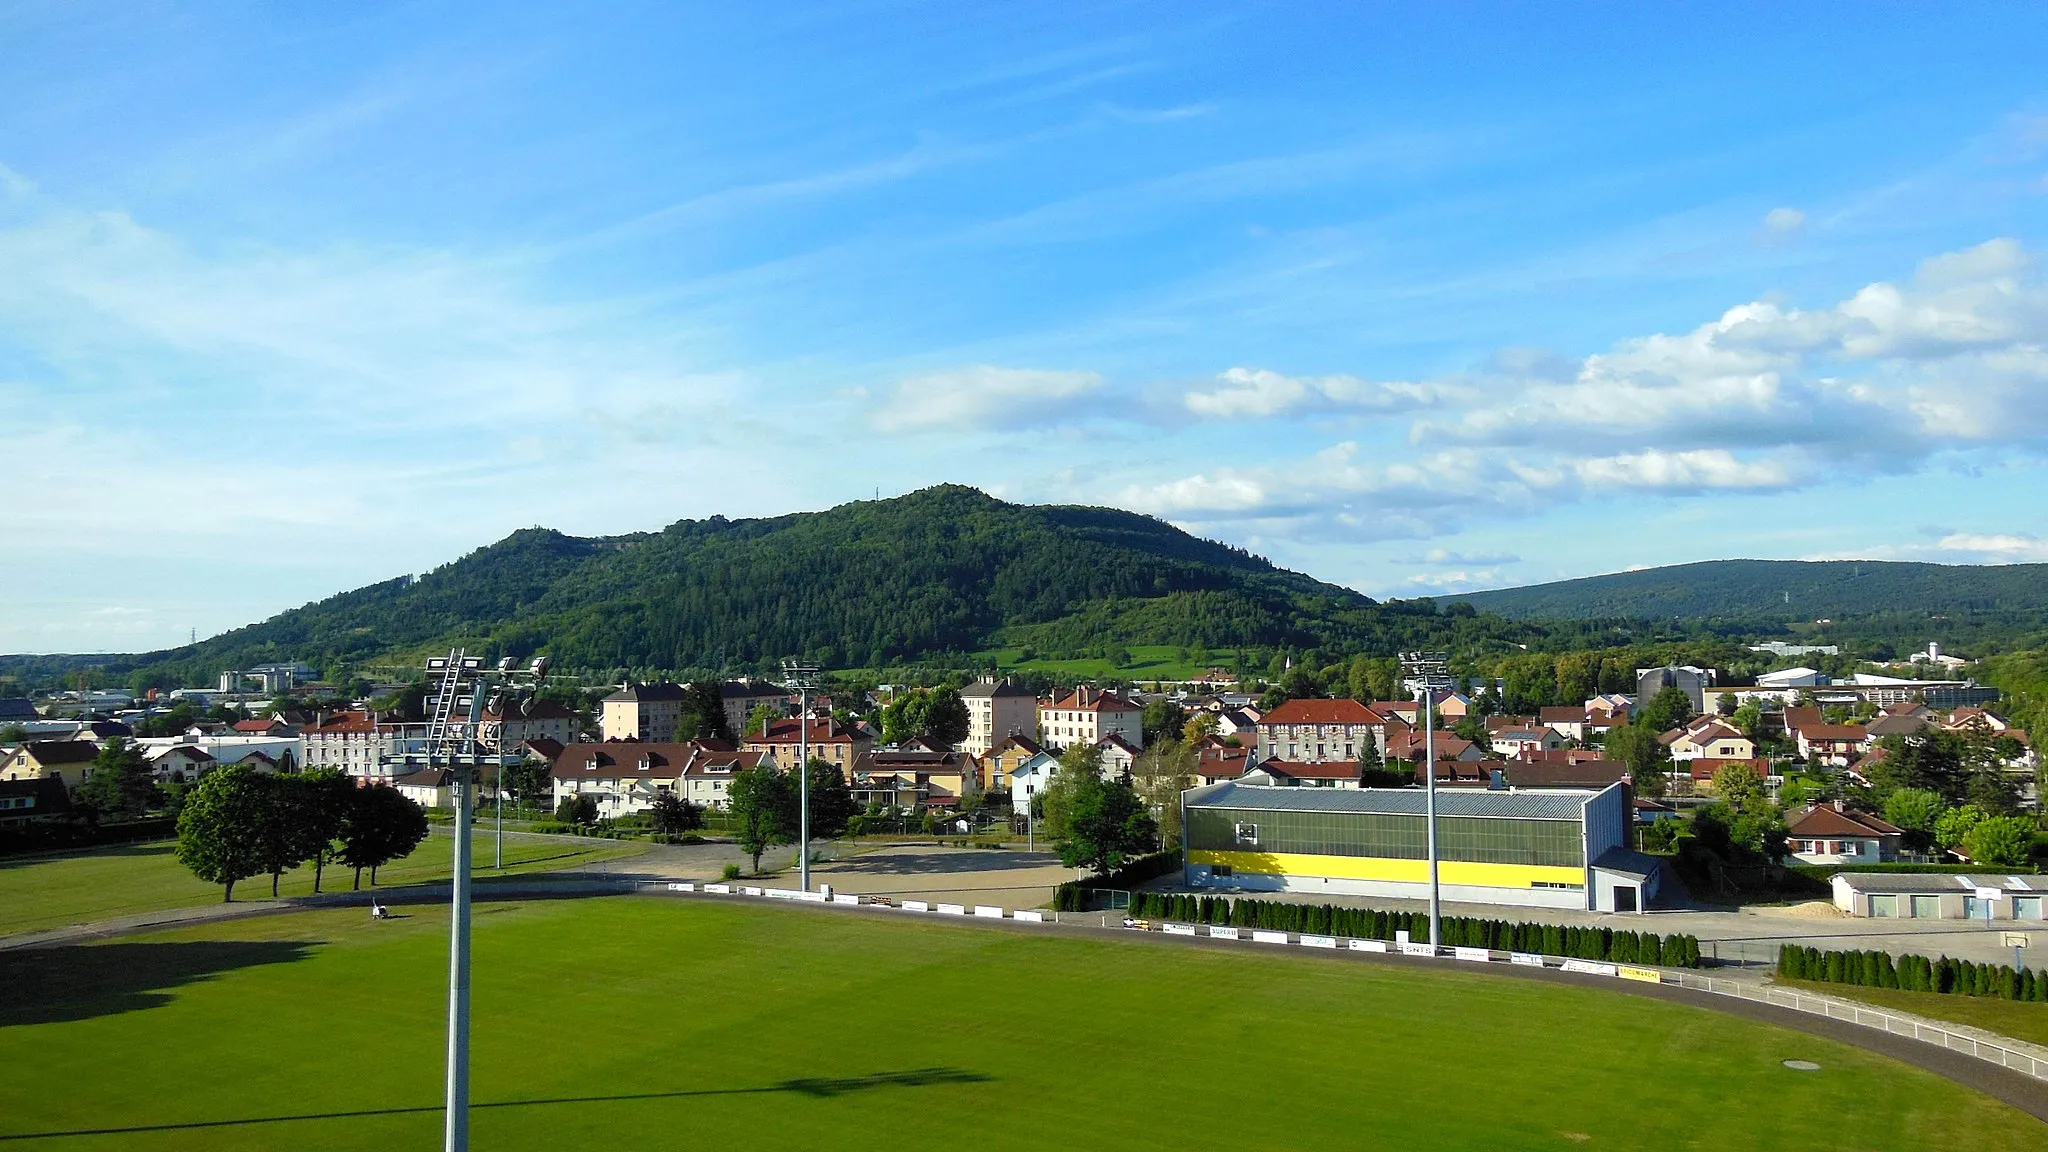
[868,584]
[1779,590]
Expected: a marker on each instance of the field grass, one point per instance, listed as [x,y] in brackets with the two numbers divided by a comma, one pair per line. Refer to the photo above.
[52,891]
[1148,662]
[644,1023]
[2021,1021]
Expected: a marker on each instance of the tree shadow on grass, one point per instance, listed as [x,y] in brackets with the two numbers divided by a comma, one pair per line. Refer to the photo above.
[817,1087]
[83,981]
[143,848]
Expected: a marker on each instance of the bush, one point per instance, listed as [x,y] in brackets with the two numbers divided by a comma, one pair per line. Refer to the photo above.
[1877,969]
[732,872]
[552,828]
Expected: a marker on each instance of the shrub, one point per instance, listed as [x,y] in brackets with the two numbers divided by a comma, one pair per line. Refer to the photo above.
[732,872]
[1878,969]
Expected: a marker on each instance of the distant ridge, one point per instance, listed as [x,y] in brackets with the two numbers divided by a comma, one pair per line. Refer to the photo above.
[942,571]
[1777,590]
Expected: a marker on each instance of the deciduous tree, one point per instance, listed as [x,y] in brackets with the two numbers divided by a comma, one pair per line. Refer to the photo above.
[762,804]
[1107,825]
[382,824]
[120,784]
[220,827]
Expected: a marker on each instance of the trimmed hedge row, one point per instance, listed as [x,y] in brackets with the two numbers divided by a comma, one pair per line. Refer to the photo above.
[1584,943]
[1825,872]
[1072,896]
[56,836]
[1912,973]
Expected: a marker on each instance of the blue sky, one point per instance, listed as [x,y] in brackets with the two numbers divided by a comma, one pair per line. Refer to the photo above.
[298,297]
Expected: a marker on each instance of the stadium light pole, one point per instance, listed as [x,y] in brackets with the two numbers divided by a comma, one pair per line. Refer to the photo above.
[1429,669]
[802,677]
[456,742]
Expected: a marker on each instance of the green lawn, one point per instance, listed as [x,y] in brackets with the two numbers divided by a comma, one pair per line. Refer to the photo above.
[2021,1021]
[646,1023]
[49,892]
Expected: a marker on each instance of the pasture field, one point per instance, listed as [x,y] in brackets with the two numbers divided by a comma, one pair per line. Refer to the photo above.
[643,1022]
[38,892]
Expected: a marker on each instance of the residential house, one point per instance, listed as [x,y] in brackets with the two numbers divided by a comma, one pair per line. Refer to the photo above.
[707,774]
[622,776]
[1832,743]
[1519,743]
[1001,762]
[1317,731]
[265,726]
[1568,721]
[1086,715]
[1408,744]
[1572,773]
[1118,756]
[829,740]
[353,741]
[1613,707]
[1712,739]
[741,697]
[66,760]
[1242,722]
[646,713]
[535,719]
[180,763]
[1311,774]
[1031,777]
[1838,834]
[1217,760]
[1695,777]
[997,710]
[429,787]
[27,801]
[916,774]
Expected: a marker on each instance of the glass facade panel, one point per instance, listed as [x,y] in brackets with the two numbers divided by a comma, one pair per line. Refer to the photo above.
[1489,840]
[1884,905]
[2026,907]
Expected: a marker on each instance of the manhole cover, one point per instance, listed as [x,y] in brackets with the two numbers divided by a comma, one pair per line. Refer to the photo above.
[1802,1065]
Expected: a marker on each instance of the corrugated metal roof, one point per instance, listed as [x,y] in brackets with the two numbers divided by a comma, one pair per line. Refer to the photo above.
[1548,804]
[1936,882]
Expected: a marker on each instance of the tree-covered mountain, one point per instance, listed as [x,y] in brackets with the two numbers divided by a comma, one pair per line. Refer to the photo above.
[947,570]
[1780,590]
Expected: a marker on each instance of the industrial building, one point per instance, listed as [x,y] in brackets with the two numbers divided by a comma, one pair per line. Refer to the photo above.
[1553,848]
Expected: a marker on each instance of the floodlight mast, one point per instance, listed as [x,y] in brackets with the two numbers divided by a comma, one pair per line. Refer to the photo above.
[802,677]
[1429,671]
[457,743]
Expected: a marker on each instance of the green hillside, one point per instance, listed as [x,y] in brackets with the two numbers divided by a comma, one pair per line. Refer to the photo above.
[1767,590]
[943,571]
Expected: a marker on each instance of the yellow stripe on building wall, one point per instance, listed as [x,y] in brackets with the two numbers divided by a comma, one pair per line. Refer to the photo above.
[1391,869]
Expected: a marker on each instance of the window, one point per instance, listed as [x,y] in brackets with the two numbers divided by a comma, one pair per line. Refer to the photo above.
[1884,905]
[1926,907]
[1221,870]
[2026,908]
[1248,834]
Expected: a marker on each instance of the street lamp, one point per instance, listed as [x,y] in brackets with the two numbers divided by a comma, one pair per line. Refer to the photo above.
[802,677]
[1427,672]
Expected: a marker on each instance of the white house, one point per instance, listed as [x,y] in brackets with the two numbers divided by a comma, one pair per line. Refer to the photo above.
[1030,778]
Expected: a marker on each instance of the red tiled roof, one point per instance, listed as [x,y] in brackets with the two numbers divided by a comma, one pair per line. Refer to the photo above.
[1344,711]
[1827,820]
[1300,770]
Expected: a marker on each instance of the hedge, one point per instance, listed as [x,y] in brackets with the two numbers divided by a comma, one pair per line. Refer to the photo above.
[55,836]
[1072,895]
[1825,872]
[1584,943]
[1912,973]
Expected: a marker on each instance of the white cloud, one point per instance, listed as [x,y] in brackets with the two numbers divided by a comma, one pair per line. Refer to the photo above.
[1783,221]
[1446,556]
[1695,470]
[986,397]
[1253,393]
[2002,547]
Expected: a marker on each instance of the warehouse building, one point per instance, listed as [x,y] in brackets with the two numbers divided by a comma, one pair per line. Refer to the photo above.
[1553,848]
[1912,896]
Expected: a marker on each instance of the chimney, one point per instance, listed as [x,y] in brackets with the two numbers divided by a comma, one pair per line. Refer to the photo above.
[1841,806]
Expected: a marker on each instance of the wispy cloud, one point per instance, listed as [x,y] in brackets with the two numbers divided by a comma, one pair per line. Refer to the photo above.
[984,397]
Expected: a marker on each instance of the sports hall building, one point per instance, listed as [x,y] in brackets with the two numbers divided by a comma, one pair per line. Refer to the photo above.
[1546,848]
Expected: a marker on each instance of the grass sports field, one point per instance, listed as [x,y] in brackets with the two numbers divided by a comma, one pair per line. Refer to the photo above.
[646,1023]
[39,892]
